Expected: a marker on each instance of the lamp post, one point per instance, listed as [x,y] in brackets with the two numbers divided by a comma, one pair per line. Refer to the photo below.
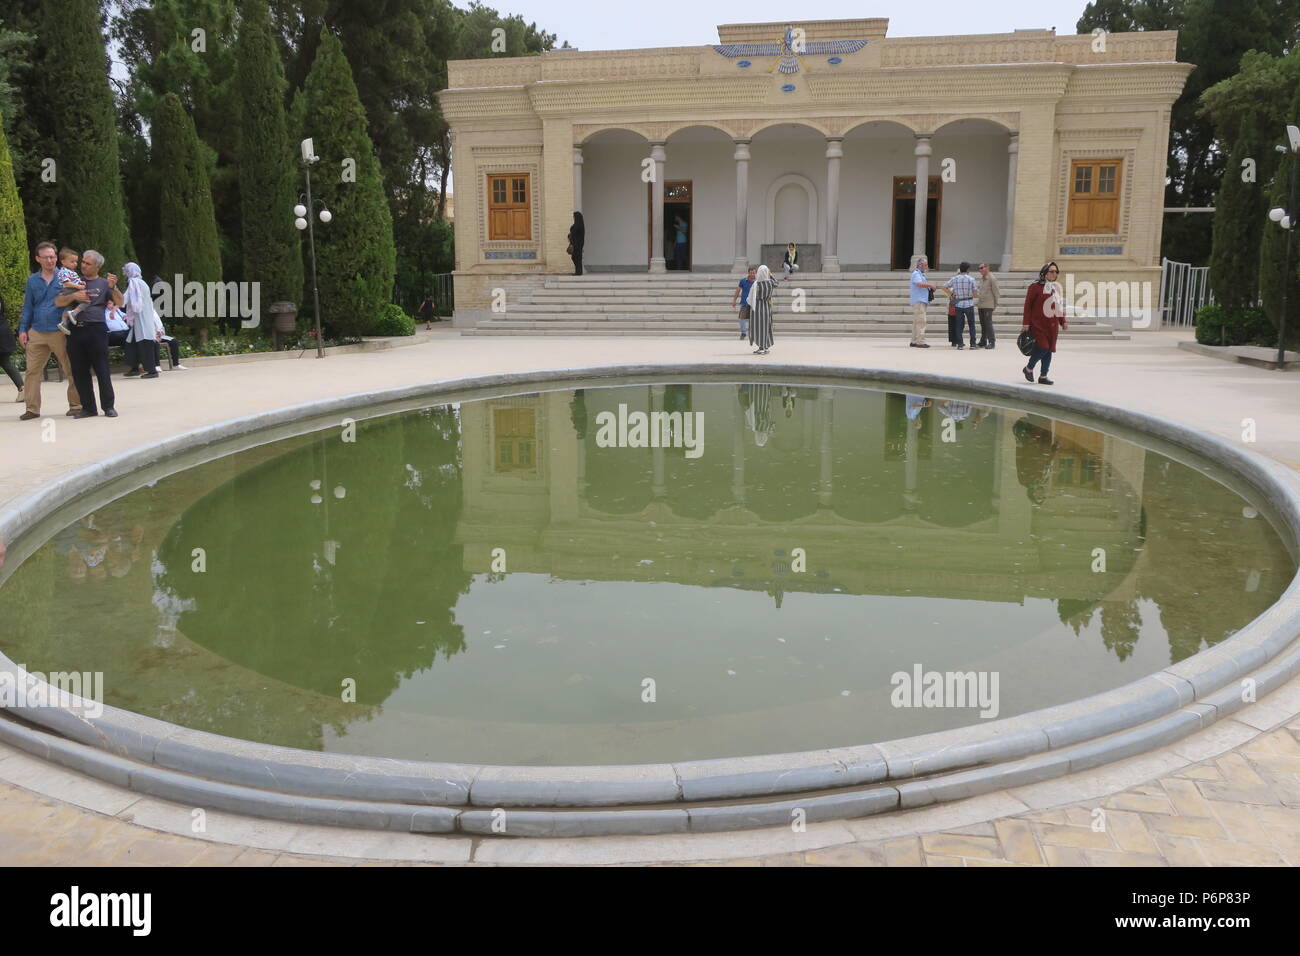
[303,221]
[1288,219]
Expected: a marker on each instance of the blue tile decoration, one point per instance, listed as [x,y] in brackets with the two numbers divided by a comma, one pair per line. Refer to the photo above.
[1091,251]
[744,63]
[812,48]
[510,254]
[835,61]
[787,88]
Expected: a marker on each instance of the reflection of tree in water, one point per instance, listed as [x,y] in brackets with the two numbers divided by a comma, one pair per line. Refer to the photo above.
[272,599]
[1200,544]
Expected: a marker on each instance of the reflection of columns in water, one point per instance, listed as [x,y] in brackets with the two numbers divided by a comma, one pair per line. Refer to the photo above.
[738,460]
[911,453]
[826,405]
[1015,510]
[657,405]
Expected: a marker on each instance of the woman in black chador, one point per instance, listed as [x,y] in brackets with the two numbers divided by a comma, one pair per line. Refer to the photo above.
[577,237]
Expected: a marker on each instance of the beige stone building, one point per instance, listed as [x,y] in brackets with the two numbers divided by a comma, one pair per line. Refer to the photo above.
[707,158]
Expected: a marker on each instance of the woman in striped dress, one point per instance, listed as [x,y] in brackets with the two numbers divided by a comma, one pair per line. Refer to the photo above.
[760,311]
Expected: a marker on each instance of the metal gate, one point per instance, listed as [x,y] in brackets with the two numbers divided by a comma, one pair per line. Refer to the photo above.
[1184,288]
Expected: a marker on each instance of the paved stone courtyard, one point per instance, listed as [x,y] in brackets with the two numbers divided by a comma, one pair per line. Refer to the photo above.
[1228,796]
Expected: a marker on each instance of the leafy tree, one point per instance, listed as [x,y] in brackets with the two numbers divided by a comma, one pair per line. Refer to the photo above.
[187,47]
[1274,274]
[1239,218]
[1213,34]
[189,227]
[356,258]
[271,247]
[13,236]
[90,209]
[30,131]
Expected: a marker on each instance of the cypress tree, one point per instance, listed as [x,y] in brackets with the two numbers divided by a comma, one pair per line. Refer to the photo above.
[91,210]
[1239,219]
[1272,251]
[188,224]
[356,258]
[13,237]
[271,246]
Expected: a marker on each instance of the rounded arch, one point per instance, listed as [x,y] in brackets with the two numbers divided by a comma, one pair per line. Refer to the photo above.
[614,133]
[812,126]
[973,124]
[701,132]
[880,127]
[810,190]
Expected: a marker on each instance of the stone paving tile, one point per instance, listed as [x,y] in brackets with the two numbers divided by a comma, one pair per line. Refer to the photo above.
[903,852]
[1018,841]
[851,854]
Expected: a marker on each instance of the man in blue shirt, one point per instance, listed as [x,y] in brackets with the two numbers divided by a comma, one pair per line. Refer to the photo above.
[38,333]
[919,297]
[742,293]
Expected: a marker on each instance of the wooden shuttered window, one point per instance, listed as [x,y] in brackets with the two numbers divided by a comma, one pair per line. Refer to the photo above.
[510,207]
[1094,196]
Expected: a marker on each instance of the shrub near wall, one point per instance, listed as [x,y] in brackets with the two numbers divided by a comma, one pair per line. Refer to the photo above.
[1218,325]
[393,321]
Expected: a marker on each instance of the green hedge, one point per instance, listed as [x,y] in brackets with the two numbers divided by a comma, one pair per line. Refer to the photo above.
[1216,325]
[393,321]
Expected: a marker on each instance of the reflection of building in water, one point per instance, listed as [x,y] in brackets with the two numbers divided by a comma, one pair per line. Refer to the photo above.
[864,482]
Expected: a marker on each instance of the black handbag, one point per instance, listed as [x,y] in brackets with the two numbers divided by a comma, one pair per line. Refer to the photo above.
[1025,342]
[931,291]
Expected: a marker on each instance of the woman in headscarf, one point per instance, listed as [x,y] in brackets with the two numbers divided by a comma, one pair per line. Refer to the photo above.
[1044,313]
[577,238]
[143,329]
[760,310]
[8,346]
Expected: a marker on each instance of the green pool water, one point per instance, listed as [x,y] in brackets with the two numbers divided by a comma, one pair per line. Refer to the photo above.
[523,580]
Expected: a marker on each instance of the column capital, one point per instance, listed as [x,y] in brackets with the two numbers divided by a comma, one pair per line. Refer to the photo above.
[922,147]
[657,152]
[577,153]
[1013,144]
[834,147]
[742,150]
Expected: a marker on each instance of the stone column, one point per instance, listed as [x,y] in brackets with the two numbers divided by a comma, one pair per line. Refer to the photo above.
[577,179]
[738,460]
[831,254]
[657,263]
[922,153]
[1013,154]
[826,399]
[657,488]
[741,262]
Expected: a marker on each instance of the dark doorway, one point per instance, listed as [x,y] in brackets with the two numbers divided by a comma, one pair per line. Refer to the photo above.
[677,205]
[904,228]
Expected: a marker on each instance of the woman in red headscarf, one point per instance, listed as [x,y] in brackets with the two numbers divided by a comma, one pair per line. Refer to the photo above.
[1044,314]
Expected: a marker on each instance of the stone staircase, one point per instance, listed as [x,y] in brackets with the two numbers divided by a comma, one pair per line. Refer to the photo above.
[698,304]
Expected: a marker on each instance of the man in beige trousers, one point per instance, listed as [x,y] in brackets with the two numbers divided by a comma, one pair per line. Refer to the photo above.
[986,300]
[38,333]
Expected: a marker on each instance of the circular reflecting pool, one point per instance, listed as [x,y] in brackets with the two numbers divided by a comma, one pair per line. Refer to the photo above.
[646,573]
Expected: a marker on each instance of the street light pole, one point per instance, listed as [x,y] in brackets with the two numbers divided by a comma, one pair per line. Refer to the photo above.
[311,242]
[1293,211]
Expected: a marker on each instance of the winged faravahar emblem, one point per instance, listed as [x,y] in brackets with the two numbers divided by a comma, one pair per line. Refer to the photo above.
[788,48]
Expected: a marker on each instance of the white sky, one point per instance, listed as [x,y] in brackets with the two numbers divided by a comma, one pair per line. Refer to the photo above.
[621,25]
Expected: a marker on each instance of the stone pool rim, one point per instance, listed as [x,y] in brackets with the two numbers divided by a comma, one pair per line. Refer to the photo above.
[203,769]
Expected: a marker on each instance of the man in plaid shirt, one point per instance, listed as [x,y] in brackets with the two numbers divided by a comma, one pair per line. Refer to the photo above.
[963,289]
